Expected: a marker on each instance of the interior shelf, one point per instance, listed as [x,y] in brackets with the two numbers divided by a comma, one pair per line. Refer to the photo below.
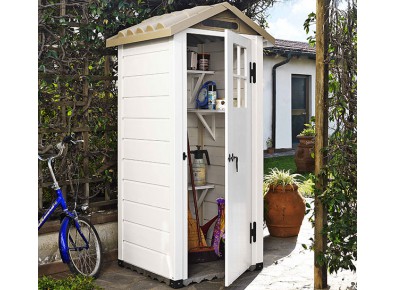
[205,111]
[201,113]
[199,75]
[205,188]
[207,72]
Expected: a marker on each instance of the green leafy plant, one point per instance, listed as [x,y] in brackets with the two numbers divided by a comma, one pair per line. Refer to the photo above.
[309,129]
[281,177]
[70,283]
[307,187]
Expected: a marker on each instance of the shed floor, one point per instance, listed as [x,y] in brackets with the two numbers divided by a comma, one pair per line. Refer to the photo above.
[205,271]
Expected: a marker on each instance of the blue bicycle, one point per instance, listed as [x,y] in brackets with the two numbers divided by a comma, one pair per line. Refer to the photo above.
[79,244]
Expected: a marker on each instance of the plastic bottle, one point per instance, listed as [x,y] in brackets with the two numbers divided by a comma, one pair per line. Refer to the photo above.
[212,95]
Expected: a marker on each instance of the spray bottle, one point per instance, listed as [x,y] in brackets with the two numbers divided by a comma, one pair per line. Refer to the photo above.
[199,167]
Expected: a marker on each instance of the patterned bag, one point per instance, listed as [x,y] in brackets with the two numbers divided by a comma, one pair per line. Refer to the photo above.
[219,228]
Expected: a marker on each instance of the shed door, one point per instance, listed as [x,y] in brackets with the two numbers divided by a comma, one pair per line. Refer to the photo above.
[238,195]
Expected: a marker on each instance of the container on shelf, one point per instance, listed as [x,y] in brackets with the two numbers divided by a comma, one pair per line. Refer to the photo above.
[212,95]
[220,104]
[203,61]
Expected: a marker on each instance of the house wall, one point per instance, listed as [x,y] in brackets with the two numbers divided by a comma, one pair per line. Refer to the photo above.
[303,66]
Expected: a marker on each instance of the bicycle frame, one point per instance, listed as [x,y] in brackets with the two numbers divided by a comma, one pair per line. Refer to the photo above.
[60,201]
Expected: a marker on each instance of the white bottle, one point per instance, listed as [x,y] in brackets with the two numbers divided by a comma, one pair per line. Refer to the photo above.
[212,95]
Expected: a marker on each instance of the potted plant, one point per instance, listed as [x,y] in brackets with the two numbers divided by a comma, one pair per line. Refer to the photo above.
[284,205]
[304,153]
[270,149]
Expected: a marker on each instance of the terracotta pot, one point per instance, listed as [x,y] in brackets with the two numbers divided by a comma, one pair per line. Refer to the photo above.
[271,150]
[302,157]
[285,210]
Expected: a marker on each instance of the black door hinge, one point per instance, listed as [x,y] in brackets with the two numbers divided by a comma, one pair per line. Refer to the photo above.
[252,72]
[184,155]
[253,232]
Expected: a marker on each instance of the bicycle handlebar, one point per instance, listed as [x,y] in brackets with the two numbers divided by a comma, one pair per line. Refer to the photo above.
[60,146]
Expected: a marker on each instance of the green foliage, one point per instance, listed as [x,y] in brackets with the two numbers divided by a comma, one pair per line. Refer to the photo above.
[307,187]
[69,283]
[307,23]
[309,129]
[282,177]
[340,193]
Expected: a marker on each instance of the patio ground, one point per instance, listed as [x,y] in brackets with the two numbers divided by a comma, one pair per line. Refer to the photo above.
[287,266]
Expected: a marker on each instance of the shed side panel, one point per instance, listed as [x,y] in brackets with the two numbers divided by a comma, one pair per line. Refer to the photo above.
[145,141]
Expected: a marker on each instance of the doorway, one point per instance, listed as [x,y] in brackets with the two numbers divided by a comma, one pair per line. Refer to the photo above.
[300,105]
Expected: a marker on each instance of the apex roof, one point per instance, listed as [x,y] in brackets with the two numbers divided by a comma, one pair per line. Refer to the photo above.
[284,47]
[171,23]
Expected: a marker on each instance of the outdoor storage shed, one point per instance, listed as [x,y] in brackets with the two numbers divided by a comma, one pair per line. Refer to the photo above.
[157,112]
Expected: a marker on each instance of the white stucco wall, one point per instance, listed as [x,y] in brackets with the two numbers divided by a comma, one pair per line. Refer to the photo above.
[302,66]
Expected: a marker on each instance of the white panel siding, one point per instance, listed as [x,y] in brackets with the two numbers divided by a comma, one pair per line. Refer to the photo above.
[147,172]
[146,85]
[147,64]
[148,107]
[144,193]
[145,146]
[148,259]
[147,129]
[145,47]
[215,174]
[155,151]
[149,238]
[149,216]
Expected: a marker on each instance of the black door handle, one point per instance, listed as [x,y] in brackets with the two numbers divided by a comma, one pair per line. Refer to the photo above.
[231,158]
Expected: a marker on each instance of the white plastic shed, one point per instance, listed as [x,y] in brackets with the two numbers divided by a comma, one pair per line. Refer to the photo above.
[156,105]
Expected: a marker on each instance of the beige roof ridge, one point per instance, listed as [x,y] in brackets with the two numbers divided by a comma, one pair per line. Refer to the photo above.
[174,22]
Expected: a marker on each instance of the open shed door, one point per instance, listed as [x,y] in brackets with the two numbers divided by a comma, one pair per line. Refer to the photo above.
[238,195]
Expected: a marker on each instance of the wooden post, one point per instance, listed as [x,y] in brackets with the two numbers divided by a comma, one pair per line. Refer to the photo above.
[107,85]
[85,134]
[40,172]
[321,120]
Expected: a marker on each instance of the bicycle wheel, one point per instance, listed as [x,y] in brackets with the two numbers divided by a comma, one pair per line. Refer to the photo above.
[84,260]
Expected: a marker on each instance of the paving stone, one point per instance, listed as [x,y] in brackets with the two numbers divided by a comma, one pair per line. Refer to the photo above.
[287,266]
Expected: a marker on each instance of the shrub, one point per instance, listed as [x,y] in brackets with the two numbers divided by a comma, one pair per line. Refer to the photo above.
[70,283]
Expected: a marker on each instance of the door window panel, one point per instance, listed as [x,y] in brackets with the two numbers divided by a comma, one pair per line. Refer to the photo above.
[239,77]
[299,91]
[299,100]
